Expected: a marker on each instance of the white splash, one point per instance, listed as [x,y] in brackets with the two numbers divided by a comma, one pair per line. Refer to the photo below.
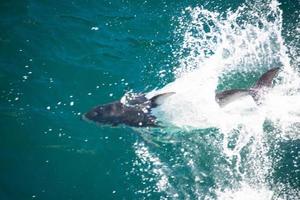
[233,46]
[155,168]
[238,45]
[247,192]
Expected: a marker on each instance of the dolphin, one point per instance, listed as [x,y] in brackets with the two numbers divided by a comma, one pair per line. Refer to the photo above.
[132,111]
[135,110]
[257,91]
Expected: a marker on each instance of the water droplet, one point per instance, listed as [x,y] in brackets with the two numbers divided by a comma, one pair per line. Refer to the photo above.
[95,28]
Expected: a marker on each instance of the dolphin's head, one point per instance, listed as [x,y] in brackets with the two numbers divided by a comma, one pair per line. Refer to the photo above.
[105,114]
[134,111]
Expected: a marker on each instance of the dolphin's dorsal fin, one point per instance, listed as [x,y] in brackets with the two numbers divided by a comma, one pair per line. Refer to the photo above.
[266,79]
[159,99]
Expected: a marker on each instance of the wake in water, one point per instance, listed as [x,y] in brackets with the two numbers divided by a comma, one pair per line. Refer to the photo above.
[227,153]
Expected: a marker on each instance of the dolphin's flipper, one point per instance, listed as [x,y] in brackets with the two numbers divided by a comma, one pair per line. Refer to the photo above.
[159,99]
[227,96]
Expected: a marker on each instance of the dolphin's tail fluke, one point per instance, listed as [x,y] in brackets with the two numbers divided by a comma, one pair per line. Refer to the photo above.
[257,91]
[266,79]
[263,84]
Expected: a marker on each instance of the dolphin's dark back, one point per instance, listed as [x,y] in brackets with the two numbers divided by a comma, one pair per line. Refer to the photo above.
[134,111]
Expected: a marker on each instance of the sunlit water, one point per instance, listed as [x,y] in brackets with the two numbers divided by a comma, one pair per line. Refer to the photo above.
[245,42]
[58,59]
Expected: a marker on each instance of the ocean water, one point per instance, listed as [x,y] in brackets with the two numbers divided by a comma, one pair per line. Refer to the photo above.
[60,58]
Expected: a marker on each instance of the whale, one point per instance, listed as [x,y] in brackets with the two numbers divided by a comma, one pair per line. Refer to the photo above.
[135,110]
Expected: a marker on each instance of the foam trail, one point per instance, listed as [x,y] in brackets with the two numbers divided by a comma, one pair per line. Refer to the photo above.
[247,193]
[217,50]
[155,168]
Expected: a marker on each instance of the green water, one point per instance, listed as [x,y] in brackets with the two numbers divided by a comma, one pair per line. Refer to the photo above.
[60,58]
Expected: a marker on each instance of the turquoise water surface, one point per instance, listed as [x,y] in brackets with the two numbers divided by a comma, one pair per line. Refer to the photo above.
[60,58]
